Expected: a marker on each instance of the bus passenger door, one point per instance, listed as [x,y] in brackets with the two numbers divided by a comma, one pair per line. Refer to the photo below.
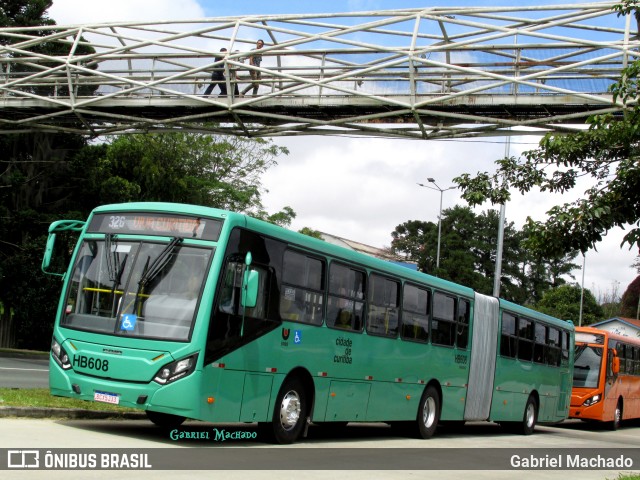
[613,368]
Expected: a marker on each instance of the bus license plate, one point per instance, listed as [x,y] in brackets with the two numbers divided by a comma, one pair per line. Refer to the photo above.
[106,397]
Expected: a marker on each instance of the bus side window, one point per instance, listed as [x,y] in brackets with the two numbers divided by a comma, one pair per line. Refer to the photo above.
[553,347]
[384,303]
[416,305]
[566,344]
[443,319]
[345,303]
[525,339]
[509,337]
[462,320]
[621,351]
[540,342]
[302,291]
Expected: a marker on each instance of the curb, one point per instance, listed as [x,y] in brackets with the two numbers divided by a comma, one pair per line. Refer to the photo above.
[31,355]
[70,413]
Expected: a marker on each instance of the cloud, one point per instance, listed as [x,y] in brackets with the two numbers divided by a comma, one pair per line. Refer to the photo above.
[362,188]
[66,12]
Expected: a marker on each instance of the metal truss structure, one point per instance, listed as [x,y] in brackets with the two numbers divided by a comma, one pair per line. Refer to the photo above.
[441,72]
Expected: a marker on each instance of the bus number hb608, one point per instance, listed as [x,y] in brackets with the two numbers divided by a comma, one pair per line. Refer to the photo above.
[89,362]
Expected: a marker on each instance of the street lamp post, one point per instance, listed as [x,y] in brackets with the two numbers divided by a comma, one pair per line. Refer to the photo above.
[441,190]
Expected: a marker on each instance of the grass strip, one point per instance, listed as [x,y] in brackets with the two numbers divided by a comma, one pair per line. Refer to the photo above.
[41,398]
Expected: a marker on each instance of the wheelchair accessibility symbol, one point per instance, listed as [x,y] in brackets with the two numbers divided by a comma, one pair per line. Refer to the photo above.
[128,322]
[297,337]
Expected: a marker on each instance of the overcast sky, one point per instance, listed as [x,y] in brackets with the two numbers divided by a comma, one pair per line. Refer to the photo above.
[362,188]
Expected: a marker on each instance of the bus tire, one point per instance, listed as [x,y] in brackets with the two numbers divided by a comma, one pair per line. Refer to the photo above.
[290,412]
[165,420]
[428,412]
[617,416]
[529,417]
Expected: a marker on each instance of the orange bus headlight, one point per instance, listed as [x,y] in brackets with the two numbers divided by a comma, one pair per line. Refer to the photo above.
[592,400]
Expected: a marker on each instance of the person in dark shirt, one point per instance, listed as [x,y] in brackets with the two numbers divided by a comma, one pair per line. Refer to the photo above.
[217,76]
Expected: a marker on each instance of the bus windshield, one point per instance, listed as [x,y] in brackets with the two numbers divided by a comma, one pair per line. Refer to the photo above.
[136,289]
[586,369]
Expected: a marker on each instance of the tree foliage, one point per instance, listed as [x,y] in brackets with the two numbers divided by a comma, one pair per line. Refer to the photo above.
[211,170]
[630,299]
[468,254]
[33,188]
[564,302]
[311,232]
[607,153]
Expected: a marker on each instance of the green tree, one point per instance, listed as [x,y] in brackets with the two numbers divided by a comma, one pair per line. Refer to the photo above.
[311,232]
[564,302]
[211,170]
[631,299]
[468,254]
[608,153]
[33,187]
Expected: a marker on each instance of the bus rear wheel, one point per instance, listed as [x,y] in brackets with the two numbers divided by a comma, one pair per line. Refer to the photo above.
[165,420]
[428,412]
[290,413]
[529,417]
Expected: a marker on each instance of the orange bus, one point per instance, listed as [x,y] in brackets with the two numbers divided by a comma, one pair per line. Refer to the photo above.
[606,377]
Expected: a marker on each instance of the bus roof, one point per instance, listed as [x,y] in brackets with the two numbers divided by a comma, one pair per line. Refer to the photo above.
[534,314]
[610,335]
[318,246]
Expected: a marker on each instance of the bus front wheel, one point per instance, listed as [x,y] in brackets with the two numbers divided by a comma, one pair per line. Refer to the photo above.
[617,416]
[165,420]
[290,413]
[428,412]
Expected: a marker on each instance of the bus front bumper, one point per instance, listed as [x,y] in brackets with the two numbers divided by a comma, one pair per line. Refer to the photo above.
[170,398]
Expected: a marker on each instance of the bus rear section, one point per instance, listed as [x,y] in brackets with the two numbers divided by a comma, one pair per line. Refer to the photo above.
[606,379]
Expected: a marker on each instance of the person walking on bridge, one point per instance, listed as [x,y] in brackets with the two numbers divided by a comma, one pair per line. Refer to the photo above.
[217,76]
[255,60]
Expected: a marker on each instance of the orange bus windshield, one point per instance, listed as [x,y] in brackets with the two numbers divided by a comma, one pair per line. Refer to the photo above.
[588,361]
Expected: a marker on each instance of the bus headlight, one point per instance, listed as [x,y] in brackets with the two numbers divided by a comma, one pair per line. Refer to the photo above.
[592,400]
[176,370]
[60,355]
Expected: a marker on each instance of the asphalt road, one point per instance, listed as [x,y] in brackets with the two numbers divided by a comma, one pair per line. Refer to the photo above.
[24,372]
[355,452]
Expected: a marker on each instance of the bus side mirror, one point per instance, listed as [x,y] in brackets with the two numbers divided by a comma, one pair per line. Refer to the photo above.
[250,288]
[250,281]
[48,253]
[615,365]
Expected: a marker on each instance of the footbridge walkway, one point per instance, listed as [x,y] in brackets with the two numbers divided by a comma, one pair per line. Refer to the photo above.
[441,72]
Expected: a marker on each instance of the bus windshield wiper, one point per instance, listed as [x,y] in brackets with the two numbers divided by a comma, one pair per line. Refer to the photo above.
[112,256]
[159,264]
[152,270]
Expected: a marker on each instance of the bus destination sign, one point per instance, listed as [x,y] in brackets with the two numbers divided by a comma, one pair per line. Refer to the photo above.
[156,224]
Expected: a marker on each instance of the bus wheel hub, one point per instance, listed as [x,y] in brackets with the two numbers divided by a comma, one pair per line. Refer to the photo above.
[290,410]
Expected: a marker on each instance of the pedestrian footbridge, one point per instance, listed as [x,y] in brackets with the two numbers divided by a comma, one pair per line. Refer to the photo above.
[439,72]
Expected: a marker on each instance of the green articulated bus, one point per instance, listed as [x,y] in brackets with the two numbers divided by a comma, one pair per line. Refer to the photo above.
[193,312]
